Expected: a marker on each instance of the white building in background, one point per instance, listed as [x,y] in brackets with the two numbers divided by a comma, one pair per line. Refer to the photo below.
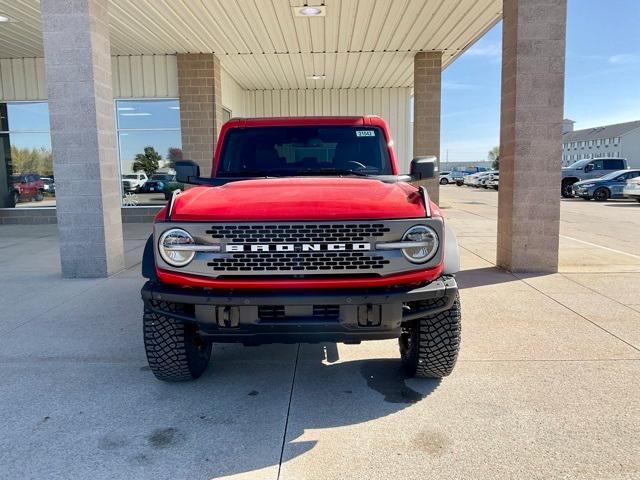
[621,140]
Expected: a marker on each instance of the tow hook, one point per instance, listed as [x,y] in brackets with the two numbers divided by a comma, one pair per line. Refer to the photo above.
[369,315]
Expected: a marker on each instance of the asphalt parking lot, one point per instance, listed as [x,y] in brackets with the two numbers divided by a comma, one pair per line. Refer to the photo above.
[547,383]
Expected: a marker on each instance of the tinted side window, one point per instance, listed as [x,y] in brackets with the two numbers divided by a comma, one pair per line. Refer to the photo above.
[598,165]
[613,165]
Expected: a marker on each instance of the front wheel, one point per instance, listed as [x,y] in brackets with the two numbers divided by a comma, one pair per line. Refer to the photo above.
[601,194]
[429,346]
[567,189]
[444,181]
[175,351]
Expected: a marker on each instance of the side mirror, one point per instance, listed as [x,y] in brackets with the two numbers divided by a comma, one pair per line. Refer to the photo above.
[187,171]
[423,168]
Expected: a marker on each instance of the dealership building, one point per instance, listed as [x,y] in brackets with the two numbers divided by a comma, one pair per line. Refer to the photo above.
[86,86]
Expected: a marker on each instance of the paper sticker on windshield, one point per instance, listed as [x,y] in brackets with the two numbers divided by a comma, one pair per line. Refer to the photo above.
[365,133]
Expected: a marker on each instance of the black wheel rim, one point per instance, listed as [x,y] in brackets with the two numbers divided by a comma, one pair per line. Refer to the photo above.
[600,194]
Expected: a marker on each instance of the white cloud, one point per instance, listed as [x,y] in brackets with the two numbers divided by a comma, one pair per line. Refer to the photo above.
[624,59]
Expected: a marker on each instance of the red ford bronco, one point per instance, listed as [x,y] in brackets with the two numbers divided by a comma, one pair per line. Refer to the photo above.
[305,232]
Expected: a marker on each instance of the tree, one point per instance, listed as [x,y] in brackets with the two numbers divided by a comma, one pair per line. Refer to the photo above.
[173,154]
[32,160]
[494,157]
[147,161]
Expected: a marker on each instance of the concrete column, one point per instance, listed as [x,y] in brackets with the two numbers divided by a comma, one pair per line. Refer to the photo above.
[200,106]
[78,73]
[427,70]
[533,50]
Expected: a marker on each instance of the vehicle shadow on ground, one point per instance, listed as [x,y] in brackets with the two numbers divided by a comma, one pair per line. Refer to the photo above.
[481,277]
[626,204]
[326,393]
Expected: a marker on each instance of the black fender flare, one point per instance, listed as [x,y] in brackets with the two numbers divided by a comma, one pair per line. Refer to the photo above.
[149,261]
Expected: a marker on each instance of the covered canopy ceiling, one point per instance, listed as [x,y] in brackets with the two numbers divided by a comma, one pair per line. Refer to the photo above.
[263,44]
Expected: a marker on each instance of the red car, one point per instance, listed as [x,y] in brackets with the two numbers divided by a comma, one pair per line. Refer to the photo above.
[28,186]
[305,232]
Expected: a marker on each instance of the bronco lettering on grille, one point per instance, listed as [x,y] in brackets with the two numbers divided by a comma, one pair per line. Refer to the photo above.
[298,247]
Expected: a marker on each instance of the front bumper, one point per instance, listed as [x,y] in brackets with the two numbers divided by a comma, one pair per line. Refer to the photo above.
[583,192]
[300,316]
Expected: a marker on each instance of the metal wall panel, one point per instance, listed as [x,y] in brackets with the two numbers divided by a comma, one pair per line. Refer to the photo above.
[392,104]
[144,76]
[233,97]
[22,79]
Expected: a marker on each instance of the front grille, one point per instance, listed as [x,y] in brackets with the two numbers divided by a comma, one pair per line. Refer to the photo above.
[312,232]
[297,261]
[312,249]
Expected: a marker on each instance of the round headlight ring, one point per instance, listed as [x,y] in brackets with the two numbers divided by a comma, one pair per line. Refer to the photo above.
[175,237]
[420,233]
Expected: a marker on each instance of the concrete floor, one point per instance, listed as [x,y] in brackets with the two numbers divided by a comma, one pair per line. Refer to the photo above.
[547,384]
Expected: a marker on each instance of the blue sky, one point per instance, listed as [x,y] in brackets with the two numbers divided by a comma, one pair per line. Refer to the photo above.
[602,78]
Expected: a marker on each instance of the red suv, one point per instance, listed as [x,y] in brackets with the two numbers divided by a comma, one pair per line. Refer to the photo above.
[305,232]
[27,186]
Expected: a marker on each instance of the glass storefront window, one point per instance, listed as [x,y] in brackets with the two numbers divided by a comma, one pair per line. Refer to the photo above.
[149,142]
[26,161]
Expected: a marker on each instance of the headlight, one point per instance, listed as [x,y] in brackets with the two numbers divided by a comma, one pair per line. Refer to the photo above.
[587,185]
[427,244]
[170,249]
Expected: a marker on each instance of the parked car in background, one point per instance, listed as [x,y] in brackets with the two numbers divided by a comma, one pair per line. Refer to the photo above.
[493,180]
[48,185]
[632,189]
[483,180]
[446,178]
[132,182]
[28,186]
[458,174]
[474,179]
[604,188]
[157,182]
[587,169]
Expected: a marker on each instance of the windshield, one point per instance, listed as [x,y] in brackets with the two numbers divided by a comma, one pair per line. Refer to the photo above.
[578,164]
[129,176]
[304,150]
[612,175]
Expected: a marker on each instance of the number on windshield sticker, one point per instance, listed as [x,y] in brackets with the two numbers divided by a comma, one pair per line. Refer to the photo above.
[365,133]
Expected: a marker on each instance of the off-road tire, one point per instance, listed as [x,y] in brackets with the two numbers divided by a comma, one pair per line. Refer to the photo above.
[175,351]
[429,346]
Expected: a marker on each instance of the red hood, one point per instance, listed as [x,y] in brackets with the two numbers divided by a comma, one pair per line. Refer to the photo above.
[300,198]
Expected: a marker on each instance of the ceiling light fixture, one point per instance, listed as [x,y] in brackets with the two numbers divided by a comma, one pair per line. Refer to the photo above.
[316,77]
[310,11]
[4,18]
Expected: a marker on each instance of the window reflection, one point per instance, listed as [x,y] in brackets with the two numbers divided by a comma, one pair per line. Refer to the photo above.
[26,160]
[149,143]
